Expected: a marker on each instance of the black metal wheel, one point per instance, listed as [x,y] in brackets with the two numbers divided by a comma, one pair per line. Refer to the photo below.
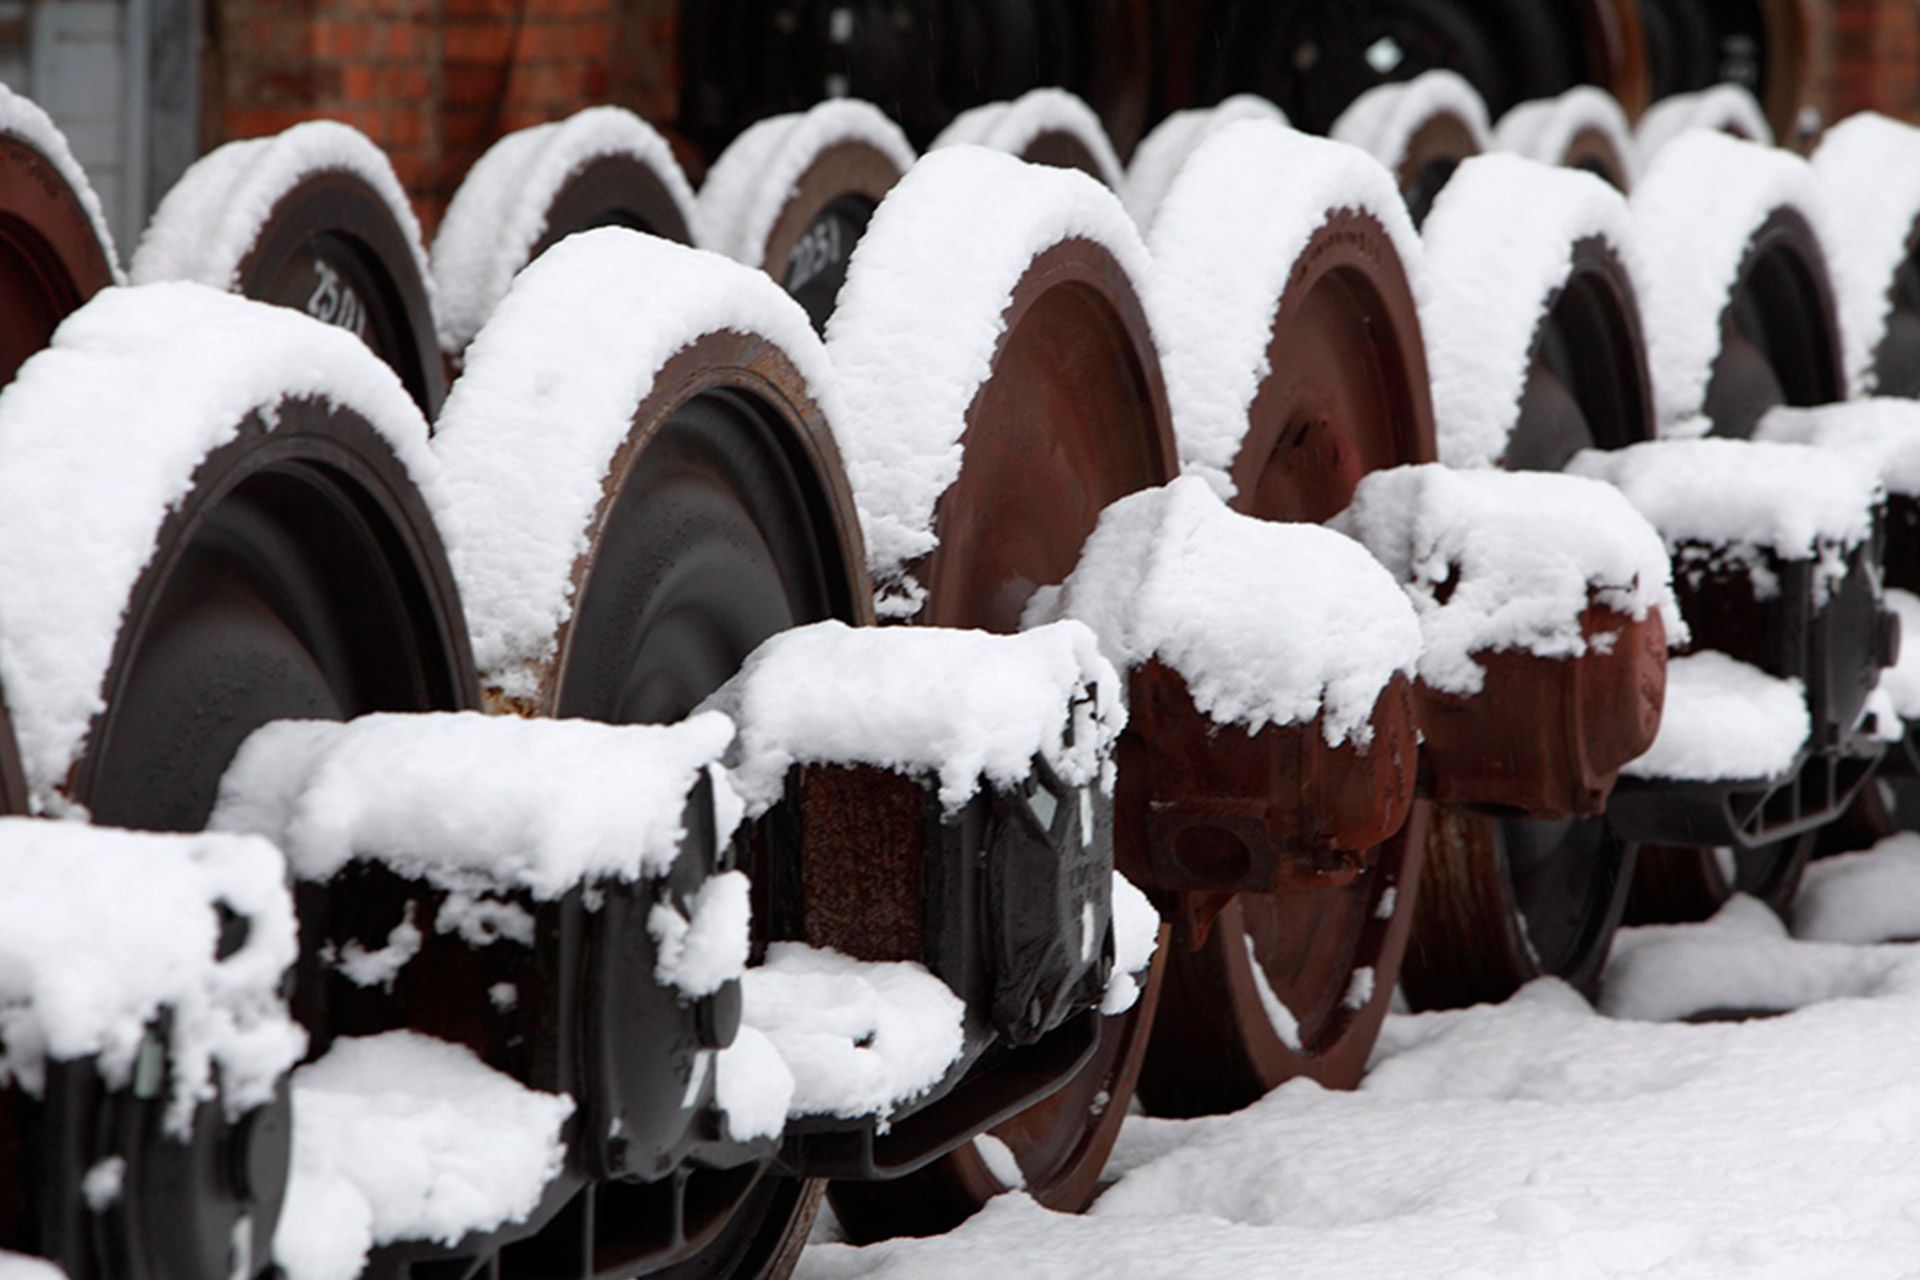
[1780,340]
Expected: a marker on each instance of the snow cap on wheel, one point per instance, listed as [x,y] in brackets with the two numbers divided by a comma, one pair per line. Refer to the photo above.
[1232,226]
[1499,249]
[1726,108]
[1013,126]
[1545,129]
[548,396]
[500,211]
[1383,120]
[23,118]
[754,177]
[1161,154]
[920,319]
[100,437]
[1695,210]
[208,223]
[1868,168]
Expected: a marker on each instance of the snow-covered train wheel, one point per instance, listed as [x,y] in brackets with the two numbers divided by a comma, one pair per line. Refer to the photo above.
[601,167]
[1296,365]
[978,482]
[793,194]
[1781,344]
[628,534]
[1868,167]
[1583,128]
[1042,126]
[1420,129]
[54,249]
[314,219]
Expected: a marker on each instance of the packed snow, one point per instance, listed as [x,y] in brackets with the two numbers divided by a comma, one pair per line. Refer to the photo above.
[83,495]
[1724,108]
[962,226]
[752,1086]
[705,948]
[760,171]
[500,211]
[1267,623]
[23,118]
[1868,896]
[1160,156]
[18,1266]
[1499,251]
[1538,1137]
[860,1037]
[966,707]
[1545,128]
[1868,168]
[404,1137]
[1013,126]
[1229,232]
[460,798]
[1881,432]
[1697,204]
[1136,936]
[1383,120]
[209,222]
[1496,560]
[1724,720]
[1901,682]
[546,400]
[86,966]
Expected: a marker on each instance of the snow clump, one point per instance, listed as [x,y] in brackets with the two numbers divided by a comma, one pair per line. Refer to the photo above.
[1729,109]
[23,118]
[1724,720]
[1383,120]
[1869,896]
[1136,936]
[1882,433]
[1014,126]
[1161,155]
[1868,168]
[1545,128]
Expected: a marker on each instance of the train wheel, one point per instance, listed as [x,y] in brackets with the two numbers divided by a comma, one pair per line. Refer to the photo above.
[1761,48]
[1727,108]
[1043,126]
[793,195]
[1050,402]
[314,219]
[1297,368]
[55,251]
[1161,153]
[1421,130]
[625,547]
[1583,128]
[602,167]
[1877,248]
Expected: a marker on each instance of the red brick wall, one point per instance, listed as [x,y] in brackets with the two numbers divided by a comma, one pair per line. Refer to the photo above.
[1874,52]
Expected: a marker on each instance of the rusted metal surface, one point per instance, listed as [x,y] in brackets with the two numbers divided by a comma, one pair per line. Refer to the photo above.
[1063,151]
[1438,146]
[1617,51]
[862,880]
[1591,149]
[1208,808]
[51,258]
[612,191]
[812,239]
[1546,737]
[331,248]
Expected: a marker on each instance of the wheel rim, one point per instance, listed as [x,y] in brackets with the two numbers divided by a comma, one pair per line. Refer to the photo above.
[612,191]
[1592,150]
[1063,151]
[1896,361]
[811,241]
[1439,146]
[51,258]
[1779,338]
[332,249]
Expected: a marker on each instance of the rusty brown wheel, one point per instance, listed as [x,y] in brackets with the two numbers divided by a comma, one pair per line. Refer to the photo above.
[1042,126]
[1421,130]
[54,251]
[314,219]
[266,555]
[703,516]
[1293,983]
[602,167]
[1066,412]
[1583,128]
[1864,165]
[793,195]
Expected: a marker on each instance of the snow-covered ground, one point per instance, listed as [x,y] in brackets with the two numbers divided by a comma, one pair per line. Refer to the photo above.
[1544,1137]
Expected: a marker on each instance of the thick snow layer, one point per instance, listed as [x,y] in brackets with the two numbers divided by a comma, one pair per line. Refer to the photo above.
[860,1037]
[752,1085]
[706,948]
[1136,935]
[462,797]
[961,227]
[1164,151]
[86,964]
[500,211]
[1499,249]
[967,707]
[1696,205]
[1864,897]
[1012,127]
[1267,623]
[1901,682]
[18,1266]
[100,435]
[1383,120]
[548,396]
[208,223]
[23,118]
[1725,108]
[1536,1138]
[1724,720]
[404,1137]
[1881,432]
[1497,560]
[1791,499]
[760,170]
[1225,240]
[1868,168]
[1544,128]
